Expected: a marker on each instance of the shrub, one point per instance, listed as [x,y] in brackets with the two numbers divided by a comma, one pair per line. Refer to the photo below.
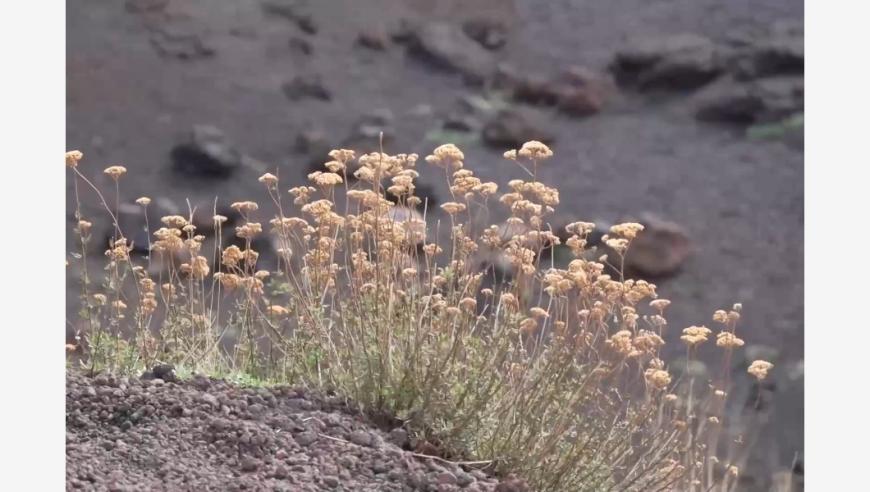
[553,373]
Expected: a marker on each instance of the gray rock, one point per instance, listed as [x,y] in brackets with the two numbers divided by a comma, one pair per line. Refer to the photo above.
[778,52]
[300,46]
[489,33]
[306,438]
[373,39]
[309,86]
[463,479]
[676,62]
[293,11]
[361,438]
[249,464]
[206,153]
[658,251]
[578,91]
[446,478]
[447,46]
[145,6]
[749,102]
[178,41]
[399,437]
[330,481]
[510,129]
[210,399]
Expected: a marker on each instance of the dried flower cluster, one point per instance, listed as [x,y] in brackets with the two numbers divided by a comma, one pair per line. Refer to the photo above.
[371,301]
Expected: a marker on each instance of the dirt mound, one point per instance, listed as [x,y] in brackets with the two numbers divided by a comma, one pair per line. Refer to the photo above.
[125,434]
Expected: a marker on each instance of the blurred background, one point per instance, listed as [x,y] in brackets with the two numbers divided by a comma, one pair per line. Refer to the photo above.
[686,115]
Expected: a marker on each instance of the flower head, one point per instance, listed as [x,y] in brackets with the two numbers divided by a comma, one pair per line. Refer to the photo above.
[695,335]
[73,157]
[535,150]
[268,179]
[759,369]
[115,171]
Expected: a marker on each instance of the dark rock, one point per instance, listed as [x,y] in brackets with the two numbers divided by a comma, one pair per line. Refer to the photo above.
[200,382]
[361,438]
[578,91]
[380,466]
[491,34]
[446,478]
[145,6]
[463,479]
[366,132]
[280,472]
[166,372]
[677,63]
[374,39]
[755,101]
[307,24]
[446,46]
[399,437]
[778,52]
[330,481]
[300,45]
[210,399]
[403,31]
[206,154]
[315,148]
[510,129]
[512,483]
[728,101]
[306,86]
[249,464]
[293,11]
[173,41]
[461,123]
[658,251]
[306,438]
[311,141]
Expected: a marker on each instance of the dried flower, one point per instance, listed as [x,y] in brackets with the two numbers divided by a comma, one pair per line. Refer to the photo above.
[268,179]
[453,208]
[278,311]
[695,335]
[658,378]
[759,369]
[176,221]
[447,155]
[246,206]
[728,340]
[115,171]
[660,304]
[73,157]
[627,230]
[535,150]
[538,313]
[528,326]
[143,200]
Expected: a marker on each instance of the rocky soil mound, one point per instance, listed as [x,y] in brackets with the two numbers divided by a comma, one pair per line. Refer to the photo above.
[155,434]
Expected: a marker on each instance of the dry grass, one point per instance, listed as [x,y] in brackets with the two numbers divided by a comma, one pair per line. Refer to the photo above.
[555,374]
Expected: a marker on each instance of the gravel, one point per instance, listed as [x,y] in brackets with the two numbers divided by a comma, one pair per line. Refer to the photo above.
[205,434]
